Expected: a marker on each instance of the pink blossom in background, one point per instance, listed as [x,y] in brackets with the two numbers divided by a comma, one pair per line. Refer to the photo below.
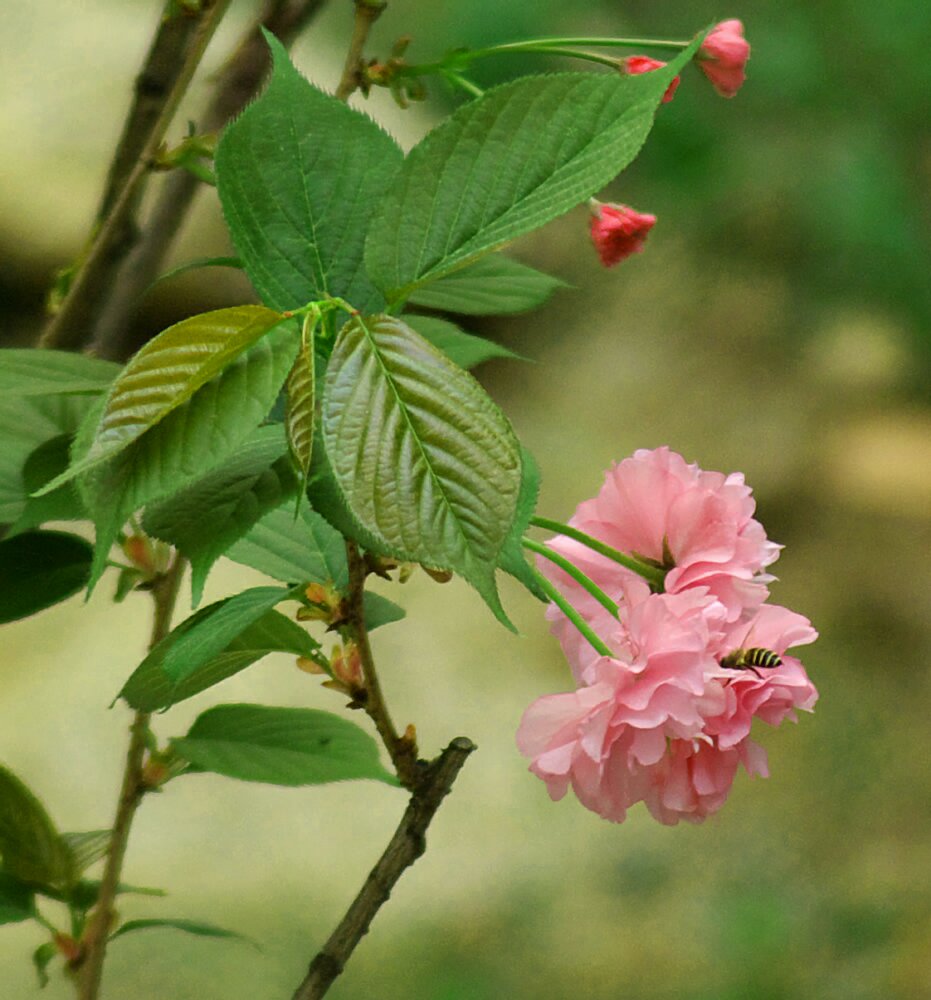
[723,57]
[634,65]
[618,231]
[662,720]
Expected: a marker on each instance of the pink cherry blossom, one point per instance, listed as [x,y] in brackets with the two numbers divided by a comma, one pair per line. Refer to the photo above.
[694,779]
[657,507]
[618,231]
[634,65]
[723,57]
[772,693]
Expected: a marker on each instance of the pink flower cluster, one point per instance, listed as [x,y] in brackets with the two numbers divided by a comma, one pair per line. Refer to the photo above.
[663,720]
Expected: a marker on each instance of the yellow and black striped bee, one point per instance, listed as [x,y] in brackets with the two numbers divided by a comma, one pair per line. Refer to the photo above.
[750,659]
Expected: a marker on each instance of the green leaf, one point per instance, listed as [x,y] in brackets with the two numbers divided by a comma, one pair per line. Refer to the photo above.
[63,504]
[25,424]
[204,519]
[32,848]
[166,373]
[380,611]
[87,848]
[493,285]
[41,958]
[151,689]
[504,165]
[194,439]
[85,893]
[465,349]
[280,746]
[201,641]
[298,174]
[195,265]
[307,550]
[39,569]
[424,458]
[195,927]
[31,372]
[300,414]
[17,900]
[512,559]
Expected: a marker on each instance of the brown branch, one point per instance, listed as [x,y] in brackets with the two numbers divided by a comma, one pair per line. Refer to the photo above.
[401,749]
[238,83]
[147,123]
[367,13]
[94,942]
[407,844]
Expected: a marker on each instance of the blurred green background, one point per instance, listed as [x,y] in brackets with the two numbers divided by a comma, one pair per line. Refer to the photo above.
[778,323]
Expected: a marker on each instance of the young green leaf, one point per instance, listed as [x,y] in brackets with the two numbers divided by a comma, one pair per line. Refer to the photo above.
[87,848]
[306,550]
[300,414]
[26,423]
[63,504]
[492,285]
[84,894]
[189,442]
[31,372]
[505,164]
[39,569]
[280,746]
[31,847]
[203,640]
[41,958]
[465,349]
[380,611]
[195,927]
[423,457]
[204,519]
[166,373]
[512,559]
[17,900]
[150,689]
[298,174]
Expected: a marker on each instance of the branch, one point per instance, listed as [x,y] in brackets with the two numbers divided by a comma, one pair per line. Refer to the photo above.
[174,56]
[238,83]
[401,749]
[94,943]
[367,13]
[407,844]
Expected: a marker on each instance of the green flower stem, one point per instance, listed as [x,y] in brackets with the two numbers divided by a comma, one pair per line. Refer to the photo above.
[458,80]
[542,44]
[569,611]
[652,574]
[580,578]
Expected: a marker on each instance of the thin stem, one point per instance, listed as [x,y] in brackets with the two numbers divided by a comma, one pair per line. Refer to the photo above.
[567,567]
[237,84]
[401,749]
[367,13]
[463,83]
[76,319]
[539,44]
[559,50]
[569,611]
[405,847]
[652,574]
[164,593]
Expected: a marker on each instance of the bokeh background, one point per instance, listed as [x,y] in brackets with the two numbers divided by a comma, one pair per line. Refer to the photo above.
[778,323]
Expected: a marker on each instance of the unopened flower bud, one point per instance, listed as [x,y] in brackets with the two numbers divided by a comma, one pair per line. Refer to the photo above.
[723,57]
[618,231]
[634,65]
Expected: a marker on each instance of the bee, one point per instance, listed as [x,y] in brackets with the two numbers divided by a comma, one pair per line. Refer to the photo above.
[750,659]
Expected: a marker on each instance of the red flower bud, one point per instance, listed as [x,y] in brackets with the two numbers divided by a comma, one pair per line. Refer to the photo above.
[723,57]
[633,65]
[618,231]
